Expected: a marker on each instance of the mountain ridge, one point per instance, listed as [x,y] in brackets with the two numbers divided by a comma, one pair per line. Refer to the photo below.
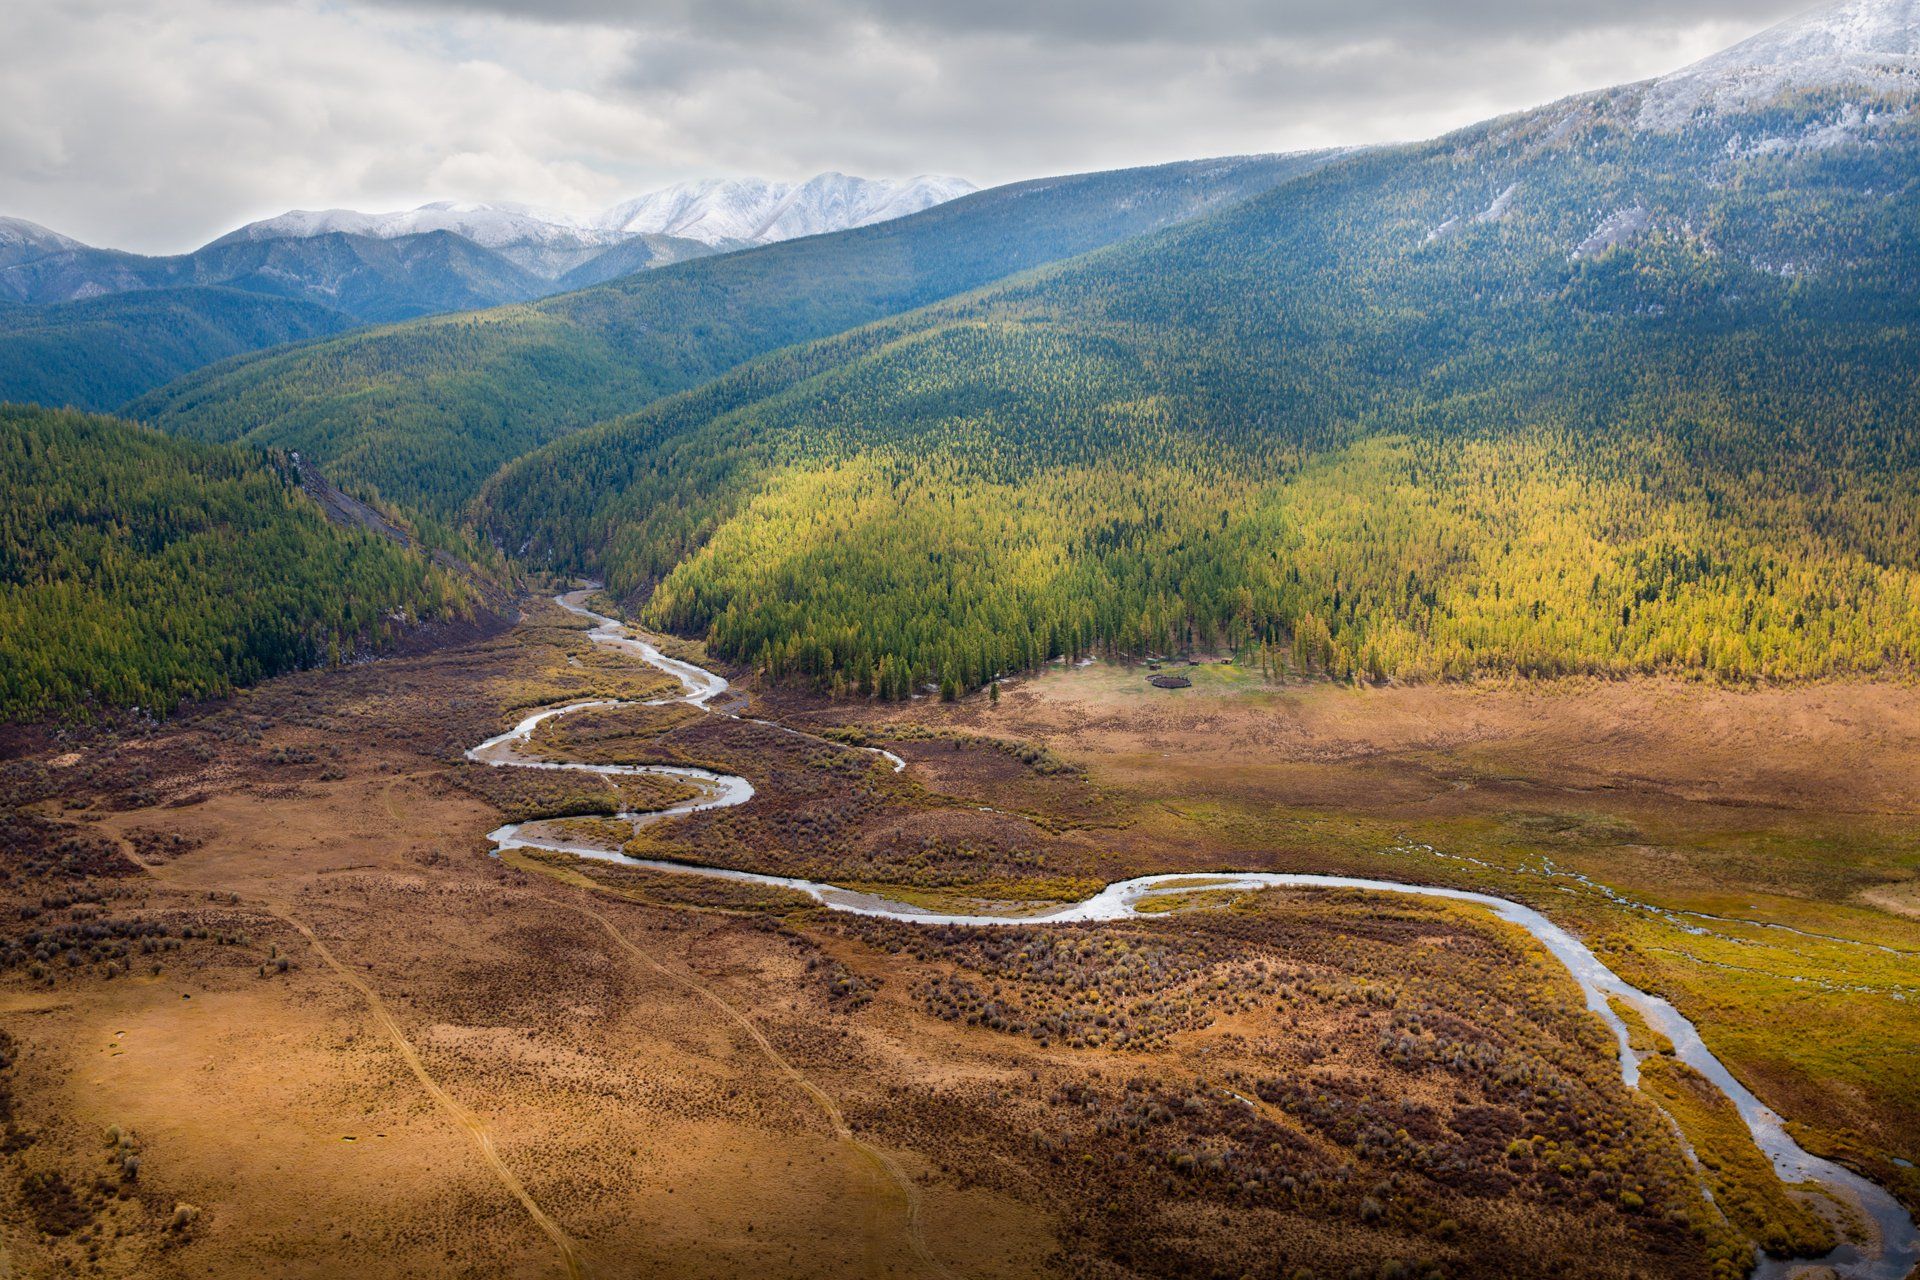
[1873,45]
[365,277]
[425,410]
[1301,421]
[454,255]
[540,243]
[722,213]
[756,211]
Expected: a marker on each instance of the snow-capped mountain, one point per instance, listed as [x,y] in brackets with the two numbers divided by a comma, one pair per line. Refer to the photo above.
[545,243]
[492,225]
[756,211]
[1870,45]
[717,212]
[23,241]
[451,254]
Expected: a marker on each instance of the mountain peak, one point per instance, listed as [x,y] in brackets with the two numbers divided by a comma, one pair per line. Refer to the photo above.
[23,241]
[491,225]
[1870,45]
[758,211]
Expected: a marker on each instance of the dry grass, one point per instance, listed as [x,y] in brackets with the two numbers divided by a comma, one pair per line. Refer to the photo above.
[1276,1084]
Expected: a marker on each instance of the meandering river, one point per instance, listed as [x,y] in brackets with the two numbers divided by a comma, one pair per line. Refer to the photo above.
[1893,1254]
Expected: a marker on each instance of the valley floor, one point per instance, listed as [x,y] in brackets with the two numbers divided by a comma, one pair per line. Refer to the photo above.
[268,1005]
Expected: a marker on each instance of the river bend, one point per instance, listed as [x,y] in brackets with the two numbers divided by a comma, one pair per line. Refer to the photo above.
[1895,1251]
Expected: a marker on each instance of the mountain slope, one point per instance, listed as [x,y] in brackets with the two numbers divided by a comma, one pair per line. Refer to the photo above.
[93,328]
[102,352]
[137,570]
[1868,47]
[1568,391]
[425,412]
[638,252]
[367,278]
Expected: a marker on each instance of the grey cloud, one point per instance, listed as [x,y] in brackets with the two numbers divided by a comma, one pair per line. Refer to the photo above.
[156,124]
[1101,22]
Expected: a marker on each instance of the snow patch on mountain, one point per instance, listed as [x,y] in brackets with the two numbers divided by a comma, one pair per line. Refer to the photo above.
[711,210]
[23,241]
[1496,209]
[756,211]
[1872,45]
[1622,226]
[545,243]
[1501,204]
[1852,125]
[727,212]
[493,226]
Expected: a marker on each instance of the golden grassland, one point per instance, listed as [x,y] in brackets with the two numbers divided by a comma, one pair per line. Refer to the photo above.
[1785,812]
[1743,1181]
[268,947]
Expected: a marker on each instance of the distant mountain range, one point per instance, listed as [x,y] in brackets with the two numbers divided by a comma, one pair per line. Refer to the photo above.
[314,273]
[545,246]
[363,277]
[449,255]
[718,213]
[423,412]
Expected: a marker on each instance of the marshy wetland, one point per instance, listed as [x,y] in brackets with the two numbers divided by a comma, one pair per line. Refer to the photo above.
[269,953]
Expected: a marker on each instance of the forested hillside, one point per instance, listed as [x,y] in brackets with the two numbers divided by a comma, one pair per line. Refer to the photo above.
[1564,392]
[422,413]
[102,352]
[138,570]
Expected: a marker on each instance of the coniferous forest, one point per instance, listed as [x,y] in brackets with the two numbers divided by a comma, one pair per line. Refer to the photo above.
[1352,427]
[421,413]
[1350,714]
[1555,394]
[140,570]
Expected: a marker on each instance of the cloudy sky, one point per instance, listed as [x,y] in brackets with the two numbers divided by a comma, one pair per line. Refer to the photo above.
[157,124]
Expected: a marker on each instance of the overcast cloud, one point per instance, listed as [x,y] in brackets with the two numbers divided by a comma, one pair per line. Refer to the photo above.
[156,125]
